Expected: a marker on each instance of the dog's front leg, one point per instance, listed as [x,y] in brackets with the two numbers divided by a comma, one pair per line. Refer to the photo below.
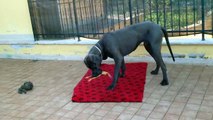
[123,69]
[118,62]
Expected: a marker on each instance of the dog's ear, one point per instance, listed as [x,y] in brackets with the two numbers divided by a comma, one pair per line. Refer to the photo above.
[85,60]
[88,59]
[94,59]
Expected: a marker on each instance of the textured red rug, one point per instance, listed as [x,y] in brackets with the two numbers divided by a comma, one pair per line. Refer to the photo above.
[128,89]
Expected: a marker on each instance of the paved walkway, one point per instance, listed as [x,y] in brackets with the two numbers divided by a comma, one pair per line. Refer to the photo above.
[189,95]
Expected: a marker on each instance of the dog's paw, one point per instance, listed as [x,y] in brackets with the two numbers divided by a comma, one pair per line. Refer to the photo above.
[111,87]
[154,72]
[164,82]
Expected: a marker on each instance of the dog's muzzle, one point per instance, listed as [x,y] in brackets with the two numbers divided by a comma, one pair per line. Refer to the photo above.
[96,72]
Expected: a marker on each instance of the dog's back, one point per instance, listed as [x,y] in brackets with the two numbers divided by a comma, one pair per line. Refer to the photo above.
[127,39]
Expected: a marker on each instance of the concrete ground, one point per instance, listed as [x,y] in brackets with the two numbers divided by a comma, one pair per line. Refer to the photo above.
[188,97]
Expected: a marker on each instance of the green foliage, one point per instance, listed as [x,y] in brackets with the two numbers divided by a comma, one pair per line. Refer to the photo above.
[172,14]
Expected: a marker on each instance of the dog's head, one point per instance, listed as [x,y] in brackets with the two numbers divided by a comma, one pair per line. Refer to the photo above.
[93,62]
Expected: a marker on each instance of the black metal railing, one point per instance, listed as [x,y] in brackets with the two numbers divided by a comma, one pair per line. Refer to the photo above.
[62,19]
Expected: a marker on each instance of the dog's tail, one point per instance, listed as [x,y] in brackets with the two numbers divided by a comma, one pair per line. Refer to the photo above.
[167,42]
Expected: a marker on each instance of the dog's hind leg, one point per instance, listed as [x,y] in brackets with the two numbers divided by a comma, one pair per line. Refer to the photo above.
[149,50]
[156,50]
[163,68]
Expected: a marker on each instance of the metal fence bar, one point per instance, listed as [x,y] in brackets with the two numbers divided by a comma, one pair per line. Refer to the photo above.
[80,17]
[212,17]
[137,11]
[130,11]
[171,10]
[76,19]
[86,15]
[71,18]
[150,9]
[194,16]
[118,14]
[124,12]
[164,14]
[203,19]
[144,11]
[179,16]
[157,17]
[186,7]
[112,15]
[95,16]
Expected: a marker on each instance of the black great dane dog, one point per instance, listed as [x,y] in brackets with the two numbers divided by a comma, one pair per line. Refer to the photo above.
[120,43]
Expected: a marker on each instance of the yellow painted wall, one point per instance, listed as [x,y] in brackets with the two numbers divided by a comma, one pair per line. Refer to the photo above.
[14,17]
[82,50]
[180,49]
[65,50]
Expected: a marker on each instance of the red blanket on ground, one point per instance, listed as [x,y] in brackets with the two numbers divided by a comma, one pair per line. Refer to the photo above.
[128,89]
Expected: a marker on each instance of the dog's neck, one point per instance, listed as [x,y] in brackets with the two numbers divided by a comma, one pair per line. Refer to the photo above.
[98,47]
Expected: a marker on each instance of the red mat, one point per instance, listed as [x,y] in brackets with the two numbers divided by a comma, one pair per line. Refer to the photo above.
[128,89]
